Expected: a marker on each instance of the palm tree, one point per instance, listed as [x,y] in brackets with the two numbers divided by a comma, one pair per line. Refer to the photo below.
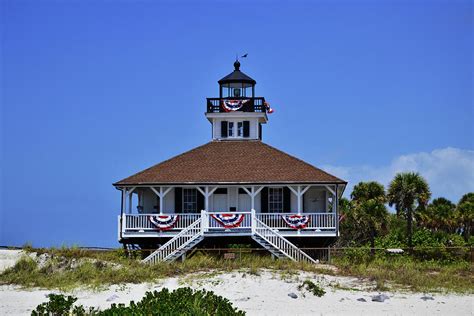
[465,214]
[368,200]
[439,215]
[409,192]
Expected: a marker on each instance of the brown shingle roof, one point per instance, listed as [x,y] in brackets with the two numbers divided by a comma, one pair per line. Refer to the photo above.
[231,162]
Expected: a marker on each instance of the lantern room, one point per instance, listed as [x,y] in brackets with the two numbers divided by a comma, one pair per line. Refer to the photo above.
[237,94]
[237,84]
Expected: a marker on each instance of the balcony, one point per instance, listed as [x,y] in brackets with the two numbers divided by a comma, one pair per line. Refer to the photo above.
[215,105]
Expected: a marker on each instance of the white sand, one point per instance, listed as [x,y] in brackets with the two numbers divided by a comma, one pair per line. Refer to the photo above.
[265,294]
[8,258]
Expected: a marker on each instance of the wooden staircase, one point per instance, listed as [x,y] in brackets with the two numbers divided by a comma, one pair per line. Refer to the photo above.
[278,245]
[189,237]
[177,246]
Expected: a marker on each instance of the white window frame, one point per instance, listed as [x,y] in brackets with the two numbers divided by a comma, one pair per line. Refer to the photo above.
[233,129]
[230,129]
[190,205]
[275,206]
[240,129]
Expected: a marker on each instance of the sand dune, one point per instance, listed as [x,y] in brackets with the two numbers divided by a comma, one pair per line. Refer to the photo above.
[263,294]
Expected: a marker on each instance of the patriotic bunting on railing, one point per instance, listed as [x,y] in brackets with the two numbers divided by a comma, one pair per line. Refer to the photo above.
[233,105]
[229,220]
[296,221]
[163,222]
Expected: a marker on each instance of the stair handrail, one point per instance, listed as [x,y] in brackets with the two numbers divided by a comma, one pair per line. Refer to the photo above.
[170,242]
[281,238]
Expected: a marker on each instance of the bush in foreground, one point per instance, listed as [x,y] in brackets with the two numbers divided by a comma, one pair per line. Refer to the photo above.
[312,287]
[182,301]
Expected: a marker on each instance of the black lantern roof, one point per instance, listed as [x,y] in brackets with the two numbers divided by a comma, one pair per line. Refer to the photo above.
[237,76]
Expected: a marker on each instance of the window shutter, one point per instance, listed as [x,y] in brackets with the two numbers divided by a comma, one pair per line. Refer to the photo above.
[178,200]
[286,200]
[246,129]
[200,201]
[264,200]
[224,129]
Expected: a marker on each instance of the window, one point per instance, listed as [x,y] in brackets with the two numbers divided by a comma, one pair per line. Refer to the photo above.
[189,200]
[275,200]
[230,129]
[240,129]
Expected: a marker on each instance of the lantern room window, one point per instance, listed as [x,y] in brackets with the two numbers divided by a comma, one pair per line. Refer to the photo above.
[237,85]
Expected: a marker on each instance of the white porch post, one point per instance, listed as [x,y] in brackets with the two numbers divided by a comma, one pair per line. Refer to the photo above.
[299,192]
[336,215]
[161,194]
[206,199]
[253,193]
[124,217]
[161,200]
[207,193]
[129,194]
[124,201]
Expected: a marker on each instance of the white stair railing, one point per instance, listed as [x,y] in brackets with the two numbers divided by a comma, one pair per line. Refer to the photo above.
[177,243]
[272,237]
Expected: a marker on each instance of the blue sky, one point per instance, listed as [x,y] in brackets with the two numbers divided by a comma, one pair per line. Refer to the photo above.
[93,91]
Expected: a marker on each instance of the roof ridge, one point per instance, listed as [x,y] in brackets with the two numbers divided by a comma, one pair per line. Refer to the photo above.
[164,161]
[301,160]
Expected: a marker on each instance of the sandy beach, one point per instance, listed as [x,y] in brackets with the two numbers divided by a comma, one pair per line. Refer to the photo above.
[265,293]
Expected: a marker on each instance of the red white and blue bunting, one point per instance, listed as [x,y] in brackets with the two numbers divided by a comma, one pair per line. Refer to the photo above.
[268,108]
[229,220]
[296,221]
[163,222]
[233,105]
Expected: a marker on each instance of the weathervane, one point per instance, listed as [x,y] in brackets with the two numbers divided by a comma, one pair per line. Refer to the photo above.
[243,56]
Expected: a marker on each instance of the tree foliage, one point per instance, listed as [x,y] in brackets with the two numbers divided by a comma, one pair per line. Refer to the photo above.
[409,193]
[465,214]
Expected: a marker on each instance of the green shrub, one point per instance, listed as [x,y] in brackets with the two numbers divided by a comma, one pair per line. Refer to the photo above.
[312,287]
[357,254]
[58,304]
[182,301]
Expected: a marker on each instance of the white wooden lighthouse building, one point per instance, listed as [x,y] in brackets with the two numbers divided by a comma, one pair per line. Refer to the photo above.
[234,187]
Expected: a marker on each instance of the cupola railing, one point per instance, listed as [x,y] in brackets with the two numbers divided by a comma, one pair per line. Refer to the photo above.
[257,104]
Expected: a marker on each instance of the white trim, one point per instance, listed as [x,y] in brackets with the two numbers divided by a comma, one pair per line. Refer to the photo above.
[330,190]
[154,190]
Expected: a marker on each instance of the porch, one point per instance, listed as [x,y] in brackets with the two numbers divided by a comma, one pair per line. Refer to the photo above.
[140,225]
[313,206]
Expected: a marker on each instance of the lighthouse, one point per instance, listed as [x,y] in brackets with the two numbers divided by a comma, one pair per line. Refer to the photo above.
[233,189]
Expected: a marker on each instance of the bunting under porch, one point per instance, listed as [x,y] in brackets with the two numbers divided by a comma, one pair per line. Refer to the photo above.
[294,210]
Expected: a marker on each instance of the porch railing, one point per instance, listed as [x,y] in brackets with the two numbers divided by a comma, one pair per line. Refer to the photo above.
[321,221]
[141,222]
[137,222]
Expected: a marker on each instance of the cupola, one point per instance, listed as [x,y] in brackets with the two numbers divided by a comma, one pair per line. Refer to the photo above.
[236,84]
[237,114]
